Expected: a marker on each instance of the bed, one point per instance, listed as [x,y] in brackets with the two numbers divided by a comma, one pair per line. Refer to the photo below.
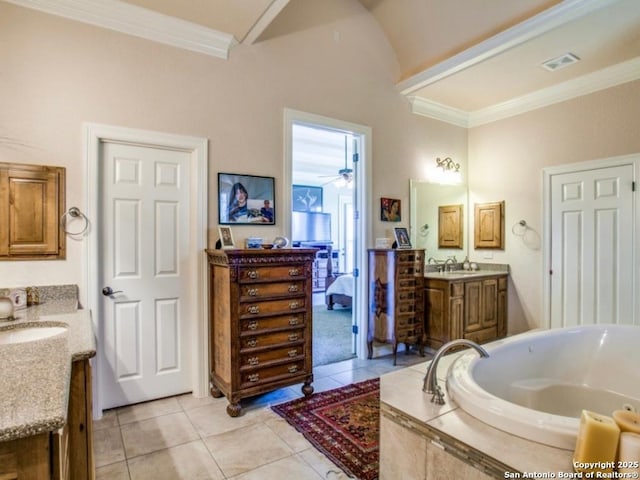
[339,290]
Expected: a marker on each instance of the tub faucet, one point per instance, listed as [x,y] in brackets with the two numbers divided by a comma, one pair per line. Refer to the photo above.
[431,379]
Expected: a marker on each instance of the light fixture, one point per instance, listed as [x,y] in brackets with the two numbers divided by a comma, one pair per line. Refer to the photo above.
[448,164]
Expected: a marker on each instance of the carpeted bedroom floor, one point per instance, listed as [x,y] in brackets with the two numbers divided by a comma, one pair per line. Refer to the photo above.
[332,338]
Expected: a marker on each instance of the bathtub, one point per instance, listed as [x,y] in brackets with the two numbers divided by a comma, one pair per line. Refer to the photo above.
[535,385]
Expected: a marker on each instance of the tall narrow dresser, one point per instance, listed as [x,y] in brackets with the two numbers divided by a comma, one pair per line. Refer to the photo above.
[396,298]
[260,322]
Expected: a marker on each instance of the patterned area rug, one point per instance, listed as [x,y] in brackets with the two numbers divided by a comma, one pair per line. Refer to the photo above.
[344,424]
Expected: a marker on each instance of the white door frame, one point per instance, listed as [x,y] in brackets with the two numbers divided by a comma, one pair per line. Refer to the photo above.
[94,135]
[362,202]
[547,173]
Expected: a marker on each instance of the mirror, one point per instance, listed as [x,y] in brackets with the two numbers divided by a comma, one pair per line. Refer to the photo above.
[426,200]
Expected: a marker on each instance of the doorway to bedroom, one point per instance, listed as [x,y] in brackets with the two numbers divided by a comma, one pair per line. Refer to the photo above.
[324,176]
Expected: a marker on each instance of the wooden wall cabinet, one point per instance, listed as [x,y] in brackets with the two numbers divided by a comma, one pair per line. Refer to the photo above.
[260,322]
[489,225]
[32,201]
[473,308]
[396,285]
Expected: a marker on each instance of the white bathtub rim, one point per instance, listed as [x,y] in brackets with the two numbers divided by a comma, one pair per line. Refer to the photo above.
[549,429]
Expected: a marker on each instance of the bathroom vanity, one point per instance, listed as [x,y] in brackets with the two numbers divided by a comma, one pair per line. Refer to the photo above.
[45,393]
[470,305]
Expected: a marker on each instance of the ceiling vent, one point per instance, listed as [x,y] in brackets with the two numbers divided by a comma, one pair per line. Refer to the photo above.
[560,62]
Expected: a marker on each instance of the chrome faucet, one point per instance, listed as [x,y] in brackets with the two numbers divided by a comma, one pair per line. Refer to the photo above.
[451,261]
[431,379]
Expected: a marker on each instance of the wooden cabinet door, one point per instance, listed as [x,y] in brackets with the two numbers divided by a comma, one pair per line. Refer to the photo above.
[489,303]
[473,306]
[31,205]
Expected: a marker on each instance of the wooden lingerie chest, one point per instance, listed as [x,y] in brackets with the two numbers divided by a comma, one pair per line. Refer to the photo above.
[396,298]
[260,319]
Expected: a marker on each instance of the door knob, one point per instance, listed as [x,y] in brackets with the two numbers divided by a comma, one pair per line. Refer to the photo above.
[107,291]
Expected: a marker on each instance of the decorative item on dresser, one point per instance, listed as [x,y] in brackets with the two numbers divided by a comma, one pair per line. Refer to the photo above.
[260,322]
[396,292]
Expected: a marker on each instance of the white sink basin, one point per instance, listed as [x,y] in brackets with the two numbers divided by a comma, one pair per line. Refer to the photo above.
[28,334]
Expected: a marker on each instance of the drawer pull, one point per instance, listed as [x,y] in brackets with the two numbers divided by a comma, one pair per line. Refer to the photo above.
[253,274]
[252,292]
[294,272]
[293,288]
[252,342]
[293,369]
[292,353]
[294,305]
[293,337]
[293,321]
[252,325]
[253,361]
[253,309]
[254,377]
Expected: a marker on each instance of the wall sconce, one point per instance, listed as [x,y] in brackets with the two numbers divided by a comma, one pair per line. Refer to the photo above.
[448,164]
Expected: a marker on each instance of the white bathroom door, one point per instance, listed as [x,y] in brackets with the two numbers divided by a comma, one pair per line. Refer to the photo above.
[592,247]
[144,238]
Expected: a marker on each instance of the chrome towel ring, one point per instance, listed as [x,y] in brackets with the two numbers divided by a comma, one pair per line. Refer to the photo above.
[74,212]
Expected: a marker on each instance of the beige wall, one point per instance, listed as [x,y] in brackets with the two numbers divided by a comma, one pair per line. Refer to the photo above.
[56,74]
[506,159]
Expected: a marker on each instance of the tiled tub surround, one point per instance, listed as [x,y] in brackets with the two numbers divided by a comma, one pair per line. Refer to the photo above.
[35,376]
[444,438]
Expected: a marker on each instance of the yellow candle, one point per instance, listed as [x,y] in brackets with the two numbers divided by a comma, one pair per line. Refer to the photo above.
[597,443]
[627,421]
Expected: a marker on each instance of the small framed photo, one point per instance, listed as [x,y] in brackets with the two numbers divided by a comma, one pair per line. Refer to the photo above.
[246,199]
[390,209]
[402,237]
[226,238]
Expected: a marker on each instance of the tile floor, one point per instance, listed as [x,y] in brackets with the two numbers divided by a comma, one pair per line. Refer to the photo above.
[189,438]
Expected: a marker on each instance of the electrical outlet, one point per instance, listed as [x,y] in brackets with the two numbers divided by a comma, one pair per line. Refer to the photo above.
[487,255]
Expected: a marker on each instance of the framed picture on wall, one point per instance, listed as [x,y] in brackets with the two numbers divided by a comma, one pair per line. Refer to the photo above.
[390,210]
[305,198]
[247,199]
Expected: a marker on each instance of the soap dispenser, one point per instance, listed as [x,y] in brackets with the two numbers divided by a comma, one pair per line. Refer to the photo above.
[6,308]
[466,265]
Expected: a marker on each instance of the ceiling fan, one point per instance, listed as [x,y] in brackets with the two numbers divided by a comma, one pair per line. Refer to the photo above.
[345,175]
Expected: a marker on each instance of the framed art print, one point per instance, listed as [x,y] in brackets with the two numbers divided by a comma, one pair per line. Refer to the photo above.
[390,210]
[247,199]
[306,198]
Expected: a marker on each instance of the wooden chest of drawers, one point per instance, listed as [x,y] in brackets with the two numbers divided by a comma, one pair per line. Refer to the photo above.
[396,298]
[260,322]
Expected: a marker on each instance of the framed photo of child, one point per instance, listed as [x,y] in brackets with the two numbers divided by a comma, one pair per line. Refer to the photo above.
[402,237]
[246,199]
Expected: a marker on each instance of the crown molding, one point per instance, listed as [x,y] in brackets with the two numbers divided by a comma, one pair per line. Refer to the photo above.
[551,18]
[140,22]
[438,111]
[624,72]
[602,79]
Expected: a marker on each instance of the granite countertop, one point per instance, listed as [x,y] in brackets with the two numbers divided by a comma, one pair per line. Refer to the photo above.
[35,376]
[401,393]
[464,274]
